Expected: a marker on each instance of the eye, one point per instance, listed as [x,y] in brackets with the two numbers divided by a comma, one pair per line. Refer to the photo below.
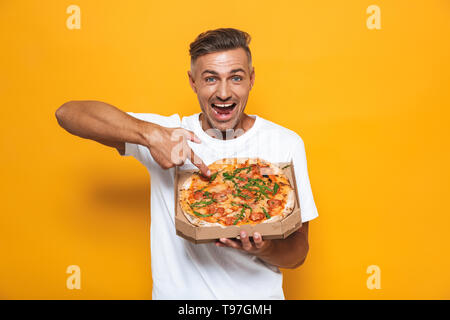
[206,79]
[239,78]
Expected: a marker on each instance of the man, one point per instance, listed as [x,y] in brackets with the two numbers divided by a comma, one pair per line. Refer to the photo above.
[222,76]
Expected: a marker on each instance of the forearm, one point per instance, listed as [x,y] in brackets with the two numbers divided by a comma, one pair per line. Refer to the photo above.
[99,121]
[287,253]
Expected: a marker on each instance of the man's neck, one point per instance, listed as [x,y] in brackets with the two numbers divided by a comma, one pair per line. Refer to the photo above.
[244,124]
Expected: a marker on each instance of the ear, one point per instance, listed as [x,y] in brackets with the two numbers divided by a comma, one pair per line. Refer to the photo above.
[252,78]
[192,81]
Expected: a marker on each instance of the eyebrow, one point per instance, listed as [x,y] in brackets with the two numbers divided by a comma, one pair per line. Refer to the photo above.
[232,71]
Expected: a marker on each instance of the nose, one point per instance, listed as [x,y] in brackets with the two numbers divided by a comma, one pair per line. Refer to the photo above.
[223,92]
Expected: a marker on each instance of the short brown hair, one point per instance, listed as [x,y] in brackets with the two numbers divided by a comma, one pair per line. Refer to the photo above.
[220,40]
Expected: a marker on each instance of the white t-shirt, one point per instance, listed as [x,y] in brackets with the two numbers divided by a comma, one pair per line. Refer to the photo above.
[183,270]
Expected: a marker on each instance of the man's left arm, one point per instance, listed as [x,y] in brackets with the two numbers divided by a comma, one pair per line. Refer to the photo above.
[284,253]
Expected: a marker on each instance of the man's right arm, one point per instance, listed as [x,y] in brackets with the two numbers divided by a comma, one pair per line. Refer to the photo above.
[103,123]
[111,126]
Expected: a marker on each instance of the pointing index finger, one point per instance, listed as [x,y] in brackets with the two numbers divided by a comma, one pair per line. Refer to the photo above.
[196,161]
[192,136]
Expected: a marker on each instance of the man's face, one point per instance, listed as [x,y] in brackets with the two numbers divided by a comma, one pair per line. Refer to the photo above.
[222,82]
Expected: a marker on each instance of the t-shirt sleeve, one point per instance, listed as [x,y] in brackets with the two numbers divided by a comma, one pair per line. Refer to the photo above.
[141,153]
[307,204]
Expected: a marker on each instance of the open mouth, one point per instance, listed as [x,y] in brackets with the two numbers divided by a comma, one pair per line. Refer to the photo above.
[223,109]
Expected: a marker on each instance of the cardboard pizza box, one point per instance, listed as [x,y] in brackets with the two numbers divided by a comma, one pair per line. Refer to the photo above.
[271,230]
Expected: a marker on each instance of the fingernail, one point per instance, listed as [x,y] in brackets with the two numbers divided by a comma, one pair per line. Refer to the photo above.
[243,234]
[223,240]
[256,235]
[208,173]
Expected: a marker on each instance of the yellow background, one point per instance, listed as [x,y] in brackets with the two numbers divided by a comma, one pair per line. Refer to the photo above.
[370,105]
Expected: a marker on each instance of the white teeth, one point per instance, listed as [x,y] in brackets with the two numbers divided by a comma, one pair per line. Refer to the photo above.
[223,105]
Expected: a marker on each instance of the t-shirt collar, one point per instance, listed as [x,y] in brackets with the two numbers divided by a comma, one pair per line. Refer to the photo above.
[242,138]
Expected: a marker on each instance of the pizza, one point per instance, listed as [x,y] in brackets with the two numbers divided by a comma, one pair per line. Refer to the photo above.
[239,191]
